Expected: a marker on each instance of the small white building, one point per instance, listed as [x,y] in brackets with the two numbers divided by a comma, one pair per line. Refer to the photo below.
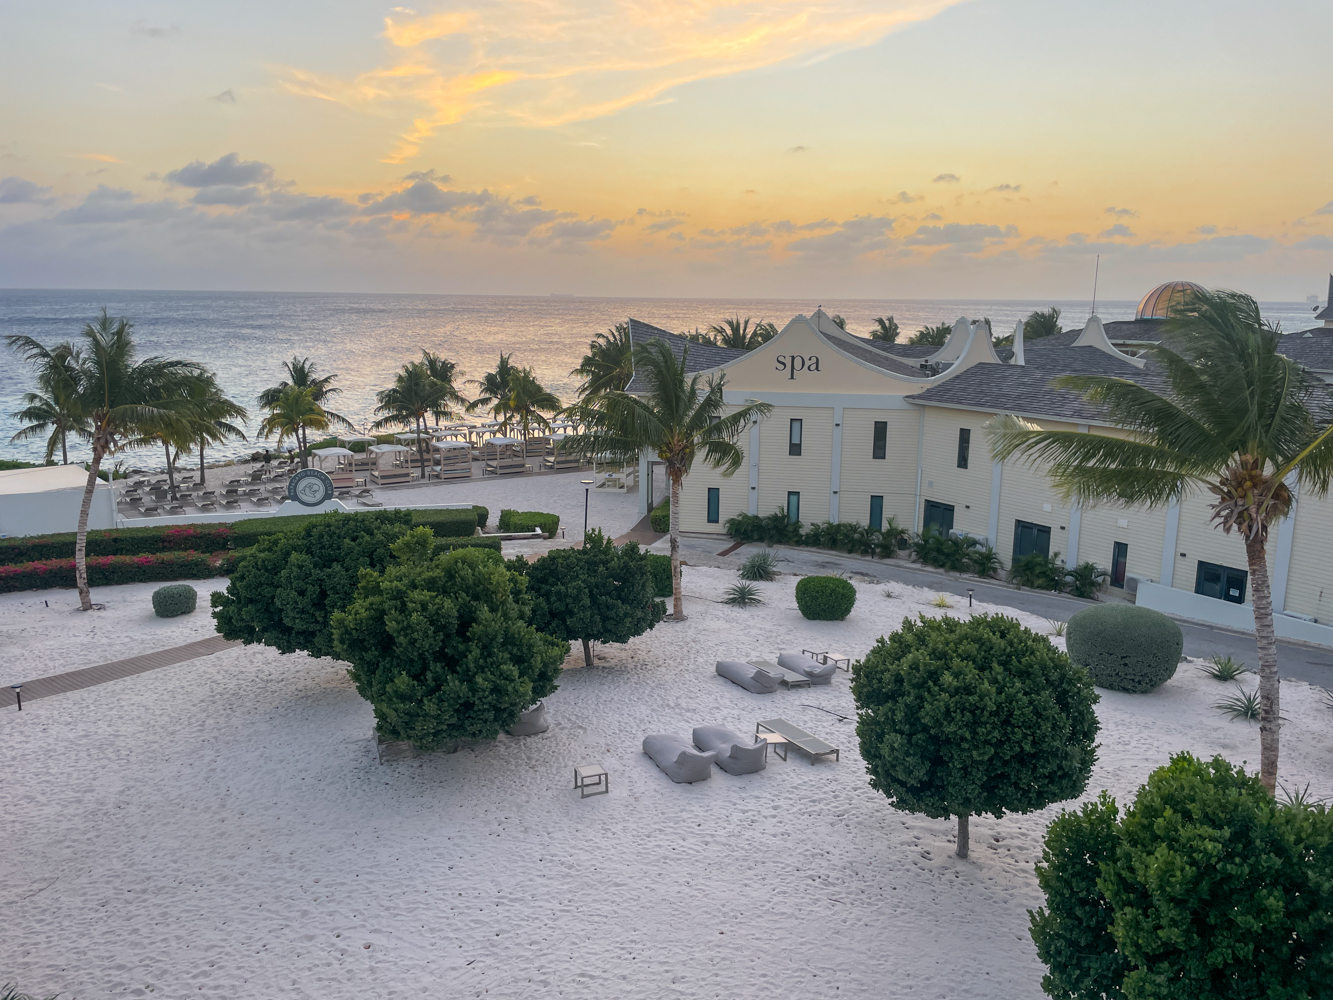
[46,500]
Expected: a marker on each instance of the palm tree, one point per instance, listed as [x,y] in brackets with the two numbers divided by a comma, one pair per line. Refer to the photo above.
[301,373]
[1238,419]
[51,409]
[120,399]
[886,329]
[444,371]
[495,390]
[737,334]
[528,399]
[1043,323]
[209,419]
[609,363]
[414,396]
[292,413]
[678,417]
[838,321]
[933,336]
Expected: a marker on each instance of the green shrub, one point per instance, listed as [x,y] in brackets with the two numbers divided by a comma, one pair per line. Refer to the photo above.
[107,571]
[1124,647]
[119,542]
[595,593]
[974,716]
[1086,580]
[529,520]
[483,514]
[174,600]
[1207,886]
[760,566]
[772,529]
[660,517]
[441,645]
[1038,572]
[285,589]
[742,595]
[825,598]
[449,544]
[955,553]
[660,568]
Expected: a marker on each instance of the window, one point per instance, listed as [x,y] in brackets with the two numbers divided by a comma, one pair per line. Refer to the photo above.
[881,445]
[793,507]
[1222,582]
[1029,538]
[939,516]
[794,438]
[714,504]
[964,446]
[1119,557]
[876,513]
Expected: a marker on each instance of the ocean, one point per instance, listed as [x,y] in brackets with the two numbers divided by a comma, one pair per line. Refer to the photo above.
[364,339]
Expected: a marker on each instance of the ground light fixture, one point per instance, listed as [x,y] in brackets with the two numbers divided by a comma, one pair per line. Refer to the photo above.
[969,597]
[587,491]
[18,694]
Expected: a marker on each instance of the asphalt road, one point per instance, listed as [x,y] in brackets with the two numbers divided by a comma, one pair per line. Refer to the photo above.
[1295,661]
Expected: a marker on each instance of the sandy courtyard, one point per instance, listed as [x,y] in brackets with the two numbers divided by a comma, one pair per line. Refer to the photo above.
[221,828]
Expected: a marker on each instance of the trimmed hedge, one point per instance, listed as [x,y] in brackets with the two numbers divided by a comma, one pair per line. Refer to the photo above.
[659,567]
[483,514]
[825,598]
[174,600]
[528,520]
[1124,647]
[106,571]
[119,542]
[449,544]
[660,518]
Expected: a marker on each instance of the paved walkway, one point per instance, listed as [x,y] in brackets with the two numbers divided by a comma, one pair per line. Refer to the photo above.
[73,680]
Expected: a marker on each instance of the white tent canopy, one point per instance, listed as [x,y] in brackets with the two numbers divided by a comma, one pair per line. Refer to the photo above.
[449,445]
[383,449]
[331,452]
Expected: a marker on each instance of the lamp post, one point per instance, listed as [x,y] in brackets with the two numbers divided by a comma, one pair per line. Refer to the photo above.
[969,597]
[18,694]
[587,491]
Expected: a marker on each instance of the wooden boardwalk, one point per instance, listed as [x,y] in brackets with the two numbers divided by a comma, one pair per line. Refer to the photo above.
[74,680]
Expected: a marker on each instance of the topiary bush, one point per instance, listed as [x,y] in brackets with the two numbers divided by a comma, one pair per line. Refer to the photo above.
[1205,887]
[529,520]
[660,518]
[660,568]
[174,599]
[1124,647]
[825,598]
[962,717]
[483,515]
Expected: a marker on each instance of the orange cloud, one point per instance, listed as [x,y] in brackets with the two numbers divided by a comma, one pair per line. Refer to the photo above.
[98,157]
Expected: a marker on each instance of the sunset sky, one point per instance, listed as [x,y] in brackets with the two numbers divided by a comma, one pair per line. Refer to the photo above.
[899,148]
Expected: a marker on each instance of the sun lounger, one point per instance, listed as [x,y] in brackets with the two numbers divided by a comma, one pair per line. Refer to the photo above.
[796,737]
[735,754]
[363,502]
[232,503]
[678,759]
[756,679]
[819,673]
[792,678]
[531,722]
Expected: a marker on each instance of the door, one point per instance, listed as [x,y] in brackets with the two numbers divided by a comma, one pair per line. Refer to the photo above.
[1029,538]
[1119,557]
[1225,583]
[939,516]
[876,513]
[793,507]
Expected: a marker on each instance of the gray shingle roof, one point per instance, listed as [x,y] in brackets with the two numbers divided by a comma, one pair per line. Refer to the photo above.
[914,352]
[869,352]
[698,357]
[1312,349]
[1027,389]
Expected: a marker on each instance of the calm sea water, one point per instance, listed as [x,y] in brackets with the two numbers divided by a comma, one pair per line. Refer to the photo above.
[245,336]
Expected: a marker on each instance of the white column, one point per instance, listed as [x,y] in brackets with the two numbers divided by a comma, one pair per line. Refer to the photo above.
[1075,522]
[1286,531]
[920,446]
[1169,543]
[993,525]
[836,466]
[753,505]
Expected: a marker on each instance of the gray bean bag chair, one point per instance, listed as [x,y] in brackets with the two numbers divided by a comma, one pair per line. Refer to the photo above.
[735,754]
[819,673]
[676,756]
[531,722]
[752,678]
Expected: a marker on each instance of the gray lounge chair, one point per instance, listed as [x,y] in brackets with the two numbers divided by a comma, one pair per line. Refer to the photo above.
[363,502]
[735,754]
[678,759]
[748,676]
[792,678]
[796,737]
[531,722]
[819,673]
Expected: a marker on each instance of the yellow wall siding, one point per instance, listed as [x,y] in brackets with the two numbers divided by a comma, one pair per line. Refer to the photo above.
[734,490]
[967,489]
[892,477]
[810,473]
[1201,541]
[1310,577]
[1144,533]
[1024,492]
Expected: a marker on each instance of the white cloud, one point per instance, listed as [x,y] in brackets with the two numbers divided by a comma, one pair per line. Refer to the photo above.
[229,170]
[974,235]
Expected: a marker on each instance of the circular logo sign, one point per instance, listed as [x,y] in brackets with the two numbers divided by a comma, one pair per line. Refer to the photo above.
[310,488]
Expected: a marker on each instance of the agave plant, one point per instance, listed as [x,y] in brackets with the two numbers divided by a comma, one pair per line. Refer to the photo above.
[1241,705]
[760,566]
[742,595]
[1297,798]
[1223,668]
[941,601]
[1057,627]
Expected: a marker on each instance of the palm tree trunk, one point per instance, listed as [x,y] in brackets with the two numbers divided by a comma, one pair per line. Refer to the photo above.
[677,604]
[421,454]
[64,451]
[1269,683]
[201,463]
[81,537]
[962,836]
[587,653]
[171,475]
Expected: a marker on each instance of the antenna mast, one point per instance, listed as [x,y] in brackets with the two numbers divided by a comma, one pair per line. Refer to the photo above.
[1096,273]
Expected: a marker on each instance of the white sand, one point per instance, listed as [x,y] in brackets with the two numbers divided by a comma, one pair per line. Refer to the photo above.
[220,828]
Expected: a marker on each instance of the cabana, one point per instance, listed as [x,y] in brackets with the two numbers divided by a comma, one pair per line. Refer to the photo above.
[337,463]
[388,464]
[501,457]
[557,459]
[419,444]
[451,459]
[361,461]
